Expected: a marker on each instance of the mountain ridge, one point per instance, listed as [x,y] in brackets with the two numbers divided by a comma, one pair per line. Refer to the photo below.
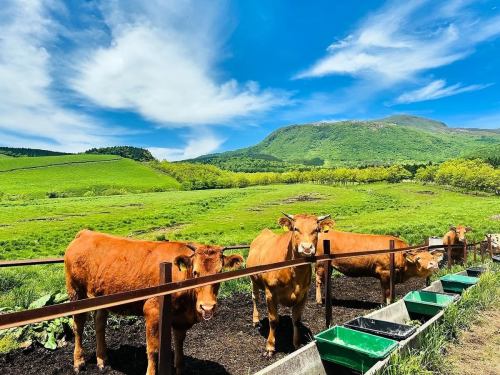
[393,139]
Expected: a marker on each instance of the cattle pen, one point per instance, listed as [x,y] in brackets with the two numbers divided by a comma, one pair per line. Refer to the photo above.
[167,288]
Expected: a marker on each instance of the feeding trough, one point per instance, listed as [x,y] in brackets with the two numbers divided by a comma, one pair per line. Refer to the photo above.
[457,283]
[353,349]
[496,258]
[427,303]
[382,328]
[475,271]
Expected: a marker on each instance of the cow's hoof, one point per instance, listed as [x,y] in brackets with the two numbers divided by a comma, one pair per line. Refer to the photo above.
[79,368]
[268,354]
[257,324]
[320,303]
[104,369]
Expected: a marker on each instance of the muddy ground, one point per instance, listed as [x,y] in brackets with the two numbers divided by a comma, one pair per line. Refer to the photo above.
[227,344]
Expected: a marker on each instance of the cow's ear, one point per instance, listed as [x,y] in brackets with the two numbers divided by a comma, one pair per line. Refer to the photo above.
[468,229]
[183,262]
[286,223]
[233,261]
[410,257]
[326,225]
[453,228]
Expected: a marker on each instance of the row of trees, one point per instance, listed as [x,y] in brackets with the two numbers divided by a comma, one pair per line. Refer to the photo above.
[202,176]
[462,173]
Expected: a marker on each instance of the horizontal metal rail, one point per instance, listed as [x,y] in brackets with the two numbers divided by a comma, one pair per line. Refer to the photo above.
[34,262]
[20,318]
[30,262]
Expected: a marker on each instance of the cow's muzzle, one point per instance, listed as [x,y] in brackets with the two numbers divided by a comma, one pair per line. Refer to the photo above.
[307,249]
[207,311]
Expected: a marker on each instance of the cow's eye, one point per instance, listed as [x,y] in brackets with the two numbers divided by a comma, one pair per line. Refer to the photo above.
[296,230]
[195,274]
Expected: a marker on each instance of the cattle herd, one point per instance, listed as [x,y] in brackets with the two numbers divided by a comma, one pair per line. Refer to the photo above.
[98,264]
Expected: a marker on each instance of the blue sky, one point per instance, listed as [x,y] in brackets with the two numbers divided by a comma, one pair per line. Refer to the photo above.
[186,78]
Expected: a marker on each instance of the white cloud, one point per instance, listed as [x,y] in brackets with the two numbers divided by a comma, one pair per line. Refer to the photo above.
[161,62]
[199,143]
[435,90]
[29,115]
[404,39]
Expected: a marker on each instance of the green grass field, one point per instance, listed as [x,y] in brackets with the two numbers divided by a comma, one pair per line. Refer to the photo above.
[78,175]
[44,227]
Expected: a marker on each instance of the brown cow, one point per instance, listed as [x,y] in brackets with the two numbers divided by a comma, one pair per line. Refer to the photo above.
[98,264]
[288,286]
[456,236]
[408,264]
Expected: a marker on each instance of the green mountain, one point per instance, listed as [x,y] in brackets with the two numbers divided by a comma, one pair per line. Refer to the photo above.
[395,139]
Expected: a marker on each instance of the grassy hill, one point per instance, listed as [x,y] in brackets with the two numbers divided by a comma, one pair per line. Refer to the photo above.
[78,175]
[16,151]
[395,139]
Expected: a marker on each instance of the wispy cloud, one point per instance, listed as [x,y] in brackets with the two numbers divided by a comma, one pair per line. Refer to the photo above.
[29,113]
[404,39]
[199,142]
[436,90]
[161,63]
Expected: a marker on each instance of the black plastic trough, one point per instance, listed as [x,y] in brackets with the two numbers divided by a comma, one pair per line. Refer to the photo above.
[475,271]
[496,258]
[382,328]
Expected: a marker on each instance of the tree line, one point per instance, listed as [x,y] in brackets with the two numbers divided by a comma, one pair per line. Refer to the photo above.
[466,174]
[194,176]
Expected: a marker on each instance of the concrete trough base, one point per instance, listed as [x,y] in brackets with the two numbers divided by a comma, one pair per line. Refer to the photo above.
[305,360]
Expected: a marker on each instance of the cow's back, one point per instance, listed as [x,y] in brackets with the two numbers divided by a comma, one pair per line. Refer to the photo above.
[99,264]
[268,247]
[345,242]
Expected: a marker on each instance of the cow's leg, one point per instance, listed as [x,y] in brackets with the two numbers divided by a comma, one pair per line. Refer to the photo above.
[78,326]
[100,320]
[151,316]
[320,274]
[255,300]
[179,336]
[272,310]
[297,311]
[385,282]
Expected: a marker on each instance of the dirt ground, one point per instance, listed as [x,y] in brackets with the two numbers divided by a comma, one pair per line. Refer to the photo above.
[478,350]
[227,344]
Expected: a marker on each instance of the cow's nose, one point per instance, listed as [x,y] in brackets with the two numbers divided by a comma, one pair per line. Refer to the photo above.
[207,311]
[206,308]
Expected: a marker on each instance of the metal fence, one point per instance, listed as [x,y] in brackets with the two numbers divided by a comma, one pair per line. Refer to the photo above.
[167,287]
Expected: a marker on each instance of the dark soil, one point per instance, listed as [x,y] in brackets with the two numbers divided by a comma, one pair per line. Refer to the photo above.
[227,344]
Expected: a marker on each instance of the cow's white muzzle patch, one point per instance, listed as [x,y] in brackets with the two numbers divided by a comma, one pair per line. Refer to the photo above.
[307,249]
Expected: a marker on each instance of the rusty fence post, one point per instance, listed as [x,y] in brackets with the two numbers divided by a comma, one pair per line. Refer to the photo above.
[428,278]
[474,246]
[481,251]
[328,285]
[465,251]
[392,270]
[490,246]
[165,324]
[449,253]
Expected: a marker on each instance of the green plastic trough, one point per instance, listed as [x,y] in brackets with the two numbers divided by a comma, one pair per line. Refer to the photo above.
[457,283]
[426,303]
[353,349]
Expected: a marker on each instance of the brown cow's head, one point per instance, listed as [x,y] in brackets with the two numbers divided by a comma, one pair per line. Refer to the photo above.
[206,260]
[460,231]
[423,262]
[305,230]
